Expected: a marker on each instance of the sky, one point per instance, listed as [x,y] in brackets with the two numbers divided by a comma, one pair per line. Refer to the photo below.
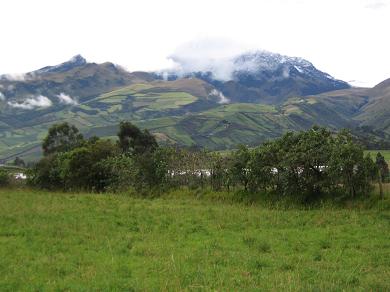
[348,39]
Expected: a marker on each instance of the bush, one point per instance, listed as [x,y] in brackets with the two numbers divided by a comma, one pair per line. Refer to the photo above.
[4,178]
[151,171]
[119,172]
[77,169]
[298,167]
[46,173]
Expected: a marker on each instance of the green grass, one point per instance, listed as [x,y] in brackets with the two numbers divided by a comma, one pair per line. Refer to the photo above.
[56,241]
[165,100]
[385,153]
[152,100]
[241,107]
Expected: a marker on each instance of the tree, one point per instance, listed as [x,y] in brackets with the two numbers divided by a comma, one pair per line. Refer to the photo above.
[46,173]
[288,165]
[81,168]
[308,165]
[383,171]
[313,149]
[239,166]
[348,166]
[382,165]
[19,162]
[133,140]
[262,167]
[76,169]
[4,178]
[118,172]
[151,170]
[61,138]
[217,171]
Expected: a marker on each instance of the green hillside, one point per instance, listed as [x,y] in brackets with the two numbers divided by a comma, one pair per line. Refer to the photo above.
[185,111]
[176,115]
[376,113]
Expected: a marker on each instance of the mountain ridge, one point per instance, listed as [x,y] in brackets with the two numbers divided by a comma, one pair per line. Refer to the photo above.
[192,110]
[75,61]
[265,77]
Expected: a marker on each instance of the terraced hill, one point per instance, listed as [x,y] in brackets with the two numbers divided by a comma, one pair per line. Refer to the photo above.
[184,111]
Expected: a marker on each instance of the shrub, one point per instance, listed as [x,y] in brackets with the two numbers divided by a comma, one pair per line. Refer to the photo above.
[4,178]
[118,171]
[151,171]
[82,168]
[46,173]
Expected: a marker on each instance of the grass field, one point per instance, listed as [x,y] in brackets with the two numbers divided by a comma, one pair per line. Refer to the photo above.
[55,241]
[385,153]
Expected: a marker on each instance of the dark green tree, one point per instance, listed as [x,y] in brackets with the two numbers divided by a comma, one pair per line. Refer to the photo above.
[133,140]
[348,167]
[383,171]
[239,166]
[61,138]
[382,166]
[217,171]
[313,151]
[19,162]
[82,168]
[151,171]
[117,172]
[263,165]
[4,178]
[46,173]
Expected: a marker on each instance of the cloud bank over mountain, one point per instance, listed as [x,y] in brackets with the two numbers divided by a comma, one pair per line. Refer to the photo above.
[224,60]
[216,56]
[39,101]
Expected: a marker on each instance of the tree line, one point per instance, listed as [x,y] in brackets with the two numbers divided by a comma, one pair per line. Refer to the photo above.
[307,165]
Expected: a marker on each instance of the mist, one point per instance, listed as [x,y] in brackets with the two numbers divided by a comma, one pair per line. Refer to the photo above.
[39,101]
[222,58]
[66,99]
[222,98]
[207,55]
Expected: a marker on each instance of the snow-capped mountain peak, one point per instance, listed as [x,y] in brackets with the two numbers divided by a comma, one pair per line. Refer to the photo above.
[75,61]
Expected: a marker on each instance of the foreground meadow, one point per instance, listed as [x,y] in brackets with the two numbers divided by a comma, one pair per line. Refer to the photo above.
[56,241]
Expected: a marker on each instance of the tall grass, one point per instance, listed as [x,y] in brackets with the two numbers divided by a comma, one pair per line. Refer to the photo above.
[187,240]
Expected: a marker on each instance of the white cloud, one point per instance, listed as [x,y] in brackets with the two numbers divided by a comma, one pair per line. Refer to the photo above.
[286,72]
[15,77]
[2,97]
[376,4]
[222,57]
[222,98]
[66,99]
[207,55]
[39,101]
[18,76]
[328,33]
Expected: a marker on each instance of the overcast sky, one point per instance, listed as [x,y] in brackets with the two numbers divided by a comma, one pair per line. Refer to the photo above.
[349,39]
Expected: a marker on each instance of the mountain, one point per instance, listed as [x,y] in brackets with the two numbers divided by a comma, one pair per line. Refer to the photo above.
[376,112]
[76,78]
[76,61]
[261,97]
[264,77]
